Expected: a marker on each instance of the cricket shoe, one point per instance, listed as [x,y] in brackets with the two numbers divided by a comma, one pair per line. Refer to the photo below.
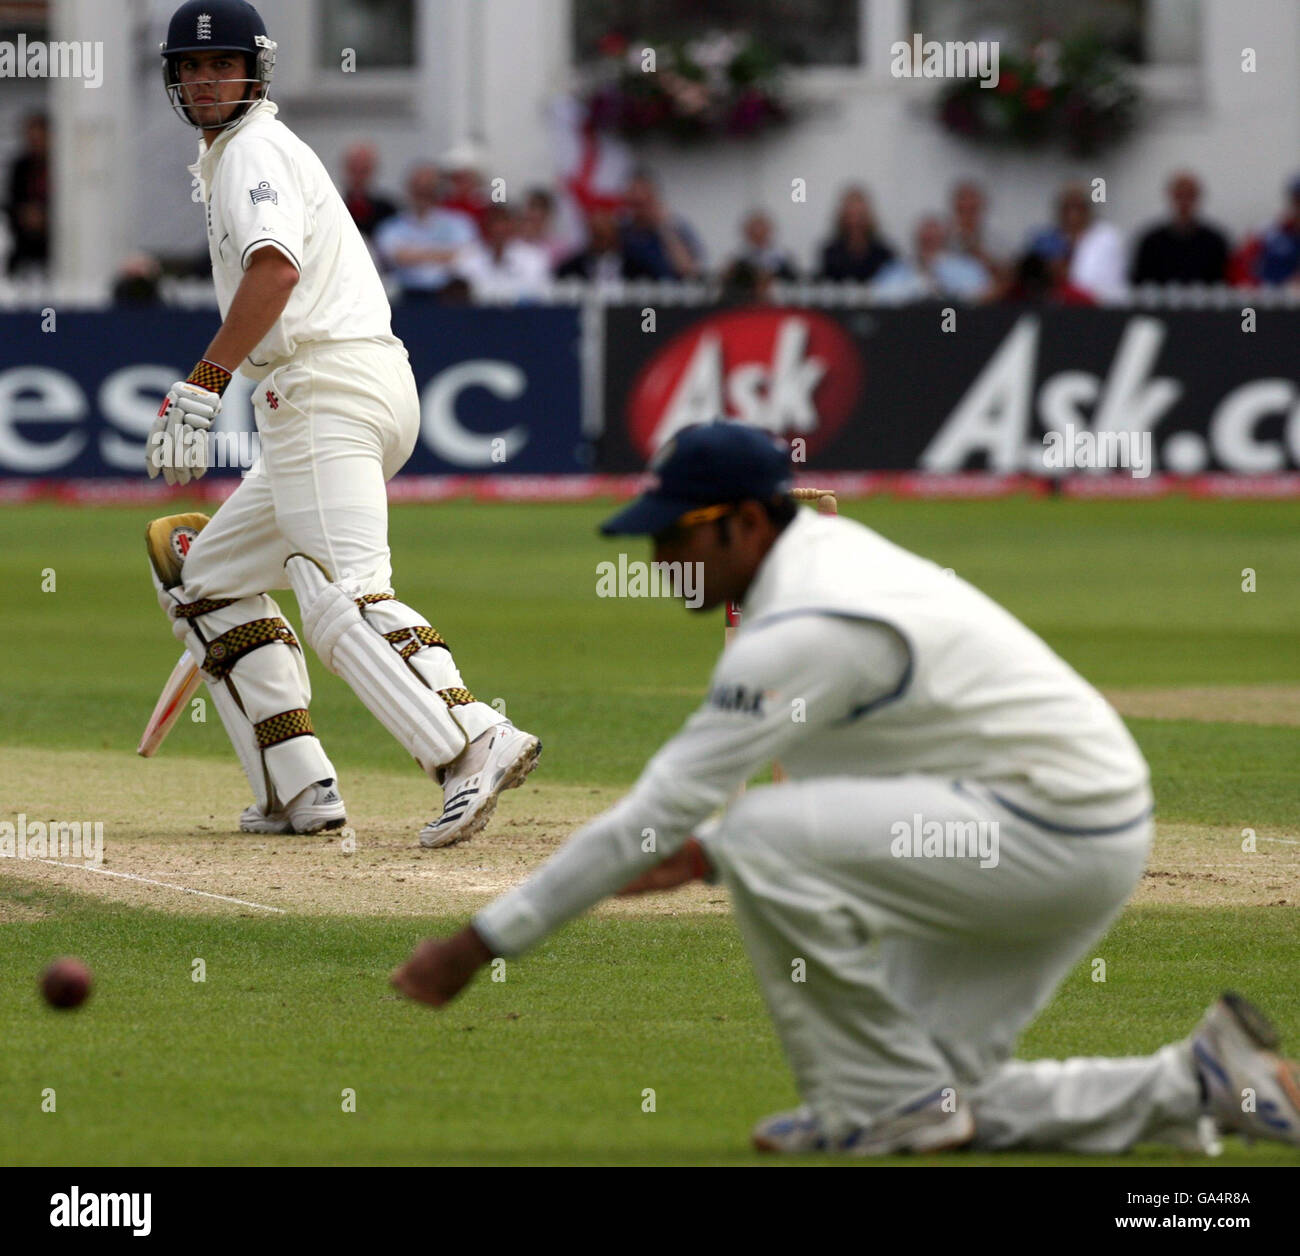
[317,807]
[498,758]
[919,1127]
[1235,1051]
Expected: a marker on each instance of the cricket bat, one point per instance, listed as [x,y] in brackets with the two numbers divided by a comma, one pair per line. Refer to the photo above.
[177,692]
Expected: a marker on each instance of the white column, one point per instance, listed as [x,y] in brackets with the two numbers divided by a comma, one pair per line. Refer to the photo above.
[488,69]
[93,154]
[525,58]
[446,91]
[884,22]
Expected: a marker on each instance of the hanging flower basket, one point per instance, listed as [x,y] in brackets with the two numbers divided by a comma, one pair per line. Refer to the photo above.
[1076,95]
[717,87]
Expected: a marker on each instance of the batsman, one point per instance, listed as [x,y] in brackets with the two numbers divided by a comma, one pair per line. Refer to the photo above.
[964,817]
[306,316]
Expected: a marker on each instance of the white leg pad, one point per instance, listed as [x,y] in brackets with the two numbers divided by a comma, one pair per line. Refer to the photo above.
[239,728]
[434,664]
[263,684]
[399,697]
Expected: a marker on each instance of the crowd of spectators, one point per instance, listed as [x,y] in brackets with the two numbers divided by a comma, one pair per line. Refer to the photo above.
[453,243]
[452,239]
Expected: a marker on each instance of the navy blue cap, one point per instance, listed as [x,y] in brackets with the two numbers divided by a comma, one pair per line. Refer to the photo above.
[708,464]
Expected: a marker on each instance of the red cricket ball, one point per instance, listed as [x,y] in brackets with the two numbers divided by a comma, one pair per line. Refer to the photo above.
[66,982]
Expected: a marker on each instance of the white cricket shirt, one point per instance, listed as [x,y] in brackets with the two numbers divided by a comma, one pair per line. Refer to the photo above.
[855,658]
[263,186]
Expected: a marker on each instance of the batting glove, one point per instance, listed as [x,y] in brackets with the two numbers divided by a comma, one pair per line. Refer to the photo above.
[178,440]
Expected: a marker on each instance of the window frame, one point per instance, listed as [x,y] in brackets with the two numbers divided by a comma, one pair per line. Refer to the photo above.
[311,88]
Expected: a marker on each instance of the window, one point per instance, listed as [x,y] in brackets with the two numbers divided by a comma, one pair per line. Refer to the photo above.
[803,32]
[382,33]
[1165,32]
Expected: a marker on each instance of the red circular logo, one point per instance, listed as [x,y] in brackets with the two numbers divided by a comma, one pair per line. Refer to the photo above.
[794,372]
[182,539]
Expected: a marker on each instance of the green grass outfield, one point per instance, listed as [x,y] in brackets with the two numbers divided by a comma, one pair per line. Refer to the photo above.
[549,1066]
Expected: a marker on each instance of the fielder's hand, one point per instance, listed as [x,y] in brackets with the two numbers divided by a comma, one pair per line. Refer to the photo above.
[687,864]
[178,440]
[440,968]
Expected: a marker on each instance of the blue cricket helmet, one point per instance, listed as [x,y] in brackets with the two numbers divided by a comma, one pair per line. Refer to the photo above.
[218,26]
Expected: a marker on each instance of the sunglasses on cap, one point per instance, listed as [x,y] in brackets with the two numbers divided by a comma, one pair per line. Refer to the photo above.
[702,514]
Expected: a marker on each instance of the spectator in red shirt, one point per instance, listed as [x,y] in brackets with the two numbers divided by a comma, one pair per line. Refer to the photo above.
[1040,277]
[367,207]
[464,183]
[1243,262]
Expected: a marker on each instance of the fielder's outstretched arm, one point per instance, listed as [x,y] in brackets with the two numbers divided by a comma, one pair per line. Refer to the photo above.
[828,666]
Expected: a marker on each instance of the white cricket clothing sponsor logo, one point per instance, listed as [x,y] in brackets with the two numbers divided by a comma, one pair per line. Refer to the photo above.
[133,1211]
[641,579]
[738,698]
[264,192]
[180,540]
[928,58]
[919,838]
[81,840]
[204,30]
[36,58]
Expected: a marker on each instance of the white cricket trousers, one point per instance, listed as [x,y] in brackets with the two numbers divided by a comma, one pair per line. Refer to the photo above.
[334,424]
[890,977]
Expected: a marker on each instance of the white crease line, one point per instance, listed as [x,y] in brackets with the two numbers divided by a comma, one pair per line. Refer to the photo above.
[167,885]
[1286,841]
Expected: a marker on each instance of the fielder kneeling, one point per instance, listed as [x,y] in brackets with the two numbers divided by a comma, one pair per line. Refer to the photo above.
[964,818]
